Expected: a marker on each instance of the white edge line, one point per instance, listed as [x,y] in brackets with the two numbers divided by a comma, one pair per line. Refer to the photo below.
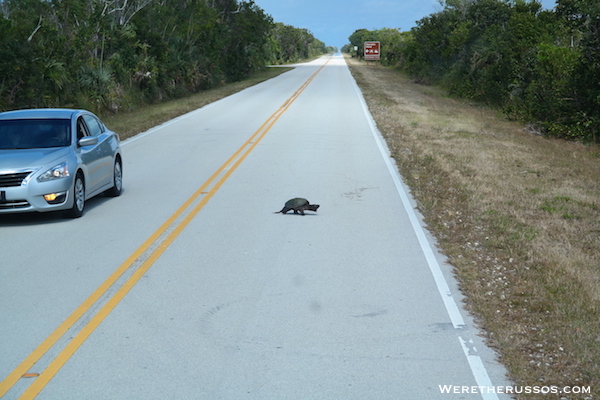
[184,116]
[475,363]
[479,372]
[434,266]
[163,125]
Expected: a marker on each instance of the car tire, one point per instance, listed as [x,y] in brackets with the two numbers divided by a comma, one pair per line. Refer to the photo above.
[78,197]
[117,180]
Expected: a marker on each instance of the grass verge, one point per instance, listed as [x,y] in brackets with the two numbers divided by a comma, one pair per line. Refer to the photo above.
[518,216]
[141,119]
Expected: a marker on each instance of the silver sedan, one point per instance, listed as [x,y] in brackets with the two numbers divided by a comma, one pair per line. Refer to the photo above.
[56,159]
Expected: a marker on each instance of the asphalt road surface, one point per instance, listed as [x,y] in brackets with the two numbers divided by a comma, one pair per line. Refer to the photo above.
[189,286]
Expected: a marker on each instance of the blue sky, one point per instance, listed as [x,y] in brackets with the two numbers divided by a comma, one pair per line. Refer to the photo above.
[332,21]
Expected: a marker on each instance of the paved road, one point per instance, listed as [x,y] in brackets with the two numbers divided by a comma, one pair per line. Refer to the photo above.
[188,286]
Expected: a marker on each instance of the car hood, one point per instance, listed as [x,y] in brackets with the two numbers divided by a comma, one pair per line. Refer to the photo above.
[13,160]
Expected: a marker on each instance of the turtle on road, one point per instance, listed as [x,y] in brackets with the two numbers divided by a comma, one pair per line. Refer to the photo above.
[299,205]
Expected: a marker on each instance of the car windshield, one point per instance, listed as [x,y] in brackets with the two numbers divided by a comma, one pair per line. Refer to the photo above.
[34,133]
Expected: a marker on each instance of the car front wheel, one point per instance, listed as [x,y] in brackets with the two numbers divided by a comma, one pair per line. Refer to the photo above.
[78,197]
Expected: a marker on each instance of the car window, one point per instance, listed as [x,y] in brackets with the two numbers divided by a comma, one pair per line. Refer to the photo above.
[82,129]
[34,133]
[94,125]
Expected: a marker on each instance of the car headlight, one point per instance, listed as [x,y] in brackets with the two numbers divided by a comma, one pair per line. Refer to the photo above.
[58,171]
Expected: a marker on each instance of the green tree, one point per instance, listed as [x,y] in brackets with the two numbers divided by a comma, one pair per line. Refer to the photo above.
[294,44]
[109,55]
[541,66]
[582,19]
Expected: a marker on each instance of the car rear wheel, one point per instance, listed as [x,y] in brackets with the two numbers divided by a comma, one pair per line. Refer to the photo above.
[78,197]
[117,180]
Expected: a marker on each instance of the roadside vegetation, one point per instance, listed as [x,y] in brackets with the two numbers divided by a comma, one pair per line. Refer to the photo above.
[538,66]
[518,216]
[130,123]
[111,56]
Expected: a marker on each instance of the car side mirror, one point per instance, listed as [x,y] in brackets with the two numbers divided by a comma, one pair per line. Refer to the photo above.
[88,141]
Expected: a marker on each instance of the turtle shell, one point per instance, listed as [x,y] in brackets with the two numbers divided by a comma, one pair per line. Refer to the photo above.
[296,202]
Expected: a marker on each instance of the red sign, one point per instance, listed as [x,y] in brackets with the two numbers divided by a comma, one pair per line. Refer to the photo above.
[372,51]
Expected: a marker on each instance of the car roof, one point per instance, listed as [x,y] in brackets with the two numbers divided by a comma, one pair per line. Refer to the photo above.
[40,113]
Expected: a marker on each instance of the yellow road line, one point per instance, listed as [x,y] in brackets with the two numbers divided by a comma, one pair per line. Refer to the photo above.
[40,382]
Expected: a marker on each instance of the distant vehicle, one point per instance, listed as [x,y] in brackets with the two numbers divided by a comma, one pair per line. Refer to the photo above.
[56,159]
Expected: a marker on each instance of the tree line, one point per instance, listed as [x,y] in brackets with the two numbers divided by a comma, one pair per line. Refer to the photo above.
[540,66]
[112,55]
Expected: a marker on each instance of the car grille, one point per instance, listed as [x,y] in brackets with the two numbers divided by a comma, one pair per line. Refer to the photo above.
[14,179]
[14,204]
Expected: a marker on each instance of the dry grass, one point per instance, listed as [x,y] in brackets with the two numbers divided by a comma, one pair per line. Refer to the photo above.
[143,118]
[518,216]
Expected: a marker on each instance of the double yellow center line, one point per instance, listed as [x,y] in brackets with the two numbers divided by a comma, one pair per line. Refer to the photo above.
[140,262]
